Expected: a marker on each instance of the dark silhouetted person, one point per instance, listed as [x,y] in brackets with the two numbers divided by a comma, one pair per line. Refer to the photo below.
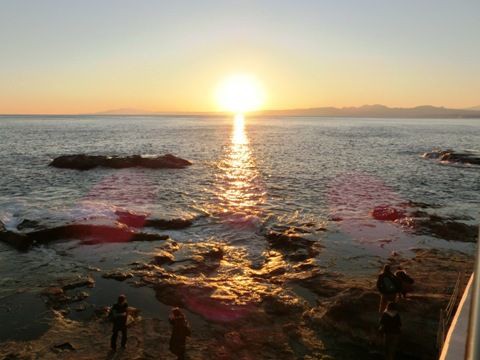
[180,331]
[390,326]
[389,286]
[406,282]
[118,315]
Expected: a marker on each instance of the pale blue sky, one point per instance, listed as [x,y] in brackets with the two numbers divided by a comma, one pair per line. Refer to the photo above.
[74,56]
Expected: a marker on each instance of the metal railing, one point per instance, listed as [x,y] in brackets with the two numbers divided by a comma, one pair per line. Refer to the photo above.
[473,337]
[446,314]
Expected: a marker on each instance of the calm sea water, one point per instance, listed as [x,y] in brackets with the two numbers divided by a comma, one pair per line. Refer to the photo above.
[247,174]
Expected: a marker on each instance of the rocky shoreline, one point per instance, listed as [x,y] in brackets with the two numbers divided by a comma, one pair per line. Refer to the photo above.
[284,303]
[304,312]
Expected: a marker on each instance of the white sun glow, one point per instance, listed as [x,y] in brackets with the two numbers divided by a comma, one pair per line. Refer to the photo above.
[239,94]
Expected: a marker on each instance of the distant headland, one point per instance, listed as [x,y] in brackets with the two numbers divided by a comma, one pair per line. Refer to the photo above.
[365,111]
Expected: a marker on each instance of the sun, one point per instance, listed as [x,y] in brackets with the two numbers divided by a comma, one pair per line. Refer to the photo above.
[240,93]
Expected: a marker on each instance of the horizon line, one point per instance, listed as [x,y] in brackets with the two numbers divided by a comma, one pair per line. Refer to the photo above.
[141,112]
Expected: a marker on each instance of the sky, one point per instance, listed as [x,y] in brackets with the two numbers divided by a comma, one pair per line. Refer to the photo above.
[70,56]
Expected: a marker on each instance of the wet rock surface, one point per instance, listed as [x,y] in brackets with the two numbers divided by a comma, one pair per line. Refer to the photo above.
[64,292]
[448,228]
[423,222]
[284,302]
[18,241]
[138,220]
[89,233]
[117,275]
[87,162]
[295,311]
[295,242]
[451,156]
[352,313]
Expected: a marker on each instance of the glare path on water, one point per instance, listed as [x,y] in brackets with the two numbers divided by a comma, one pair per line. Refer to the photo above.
[239,188]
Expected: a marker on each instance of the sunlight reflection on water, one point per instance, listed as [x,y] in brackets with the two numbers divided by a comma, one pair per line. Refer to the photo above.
[239,187]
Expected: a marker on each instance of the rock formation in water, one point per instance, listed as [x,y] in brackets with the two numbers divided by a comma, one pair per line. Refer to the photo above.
[425,223]
[18,241]
[135,220]
[451,156]
[125,229]
[87,162]
[88,233]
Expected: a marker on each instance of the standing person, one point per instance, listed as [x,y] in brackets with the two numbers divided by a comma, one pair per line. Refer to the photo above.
[406,282]
[388,286]
[118,314]
[180,331]
[390,325]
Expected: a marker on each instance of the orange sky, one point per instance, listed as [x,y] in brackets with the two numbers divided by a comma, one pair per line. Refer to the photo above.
[160,56]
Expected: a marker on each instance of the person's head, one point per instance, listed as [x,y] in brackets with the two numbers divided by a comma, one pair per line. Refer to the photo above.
[386,268]
[177,313]
[392,306]
[121,299]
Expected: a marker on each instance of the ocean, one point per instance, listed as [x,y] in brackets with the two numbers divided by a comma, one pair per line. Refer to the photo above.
[249,175]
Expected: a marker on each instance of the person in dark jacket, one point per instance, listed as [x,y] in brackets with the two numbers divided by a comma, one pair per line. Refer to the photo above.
[406,282]
[180,331]
[390,326]
[118,315]
[388,286]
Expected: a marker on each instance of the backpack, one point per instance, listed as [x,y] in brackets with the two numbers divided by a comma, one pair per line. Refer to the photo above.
[389,285]
[403,276]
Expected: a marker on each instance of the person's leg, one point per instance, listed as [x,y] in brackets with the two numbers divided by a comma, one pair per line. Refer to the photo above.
[181,353]
[113,340]
[124,336]
[393,345]
[391,341]
[388,347]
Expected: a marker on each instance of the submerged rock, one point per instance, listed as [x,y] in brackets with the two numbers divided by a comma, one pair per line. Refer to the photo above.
[57,295]
[453,157]
[294,246]
[76,282]
[448,228]
[17,240]
[87,162]
[424,223]
[387,213]
[27,224]
[171,224]
[138,220]
[89,233]
[118,275]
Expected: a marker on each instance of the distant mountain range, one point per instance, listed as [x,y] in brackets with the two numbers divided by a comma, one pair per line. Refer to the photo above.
[365,111]
[382,111]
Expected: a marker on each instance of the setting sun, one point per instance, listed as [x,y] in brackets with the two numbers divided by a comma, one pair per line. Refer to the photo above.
[240,94]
